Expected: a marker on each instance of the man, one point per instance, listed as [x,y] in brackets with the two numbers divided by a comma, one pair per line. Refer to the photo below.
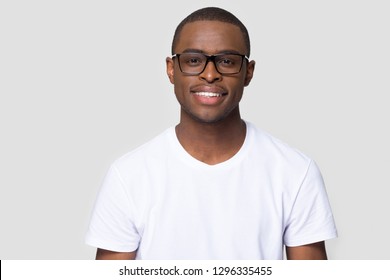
[213,187]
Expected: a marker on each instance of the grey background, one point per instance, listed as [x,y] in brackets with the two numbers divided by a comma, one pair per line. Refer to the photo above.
[82,82]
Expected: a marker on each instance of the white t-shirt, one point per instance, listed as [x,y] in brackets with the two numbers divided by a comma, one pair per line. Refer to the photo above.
[165,204]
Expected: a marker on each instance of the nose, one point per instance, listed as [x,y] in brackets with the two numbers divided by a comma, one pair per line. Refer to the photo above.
[210,73]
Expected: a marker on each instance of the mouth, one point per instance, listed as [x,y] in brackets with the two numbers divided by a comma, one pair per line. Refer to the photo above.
[208,94]
[208,91]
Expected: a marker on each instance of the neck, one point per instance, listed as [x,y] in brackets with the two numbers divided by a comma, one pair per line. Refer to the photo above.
[212,143]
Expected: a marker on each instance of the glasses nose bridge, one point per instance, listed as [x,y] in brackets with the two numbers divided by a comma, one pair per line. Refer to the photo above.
[212,59]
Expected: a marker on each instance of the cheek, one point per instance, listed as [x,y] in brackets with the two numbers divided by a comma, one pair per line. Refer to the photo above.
[237,85]
[180,90]
[181,84]
[177,84]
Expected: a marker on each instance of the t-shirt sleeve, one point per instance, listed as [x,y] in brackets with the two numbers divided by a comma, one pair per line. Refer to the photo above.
[311,219]
[112,224]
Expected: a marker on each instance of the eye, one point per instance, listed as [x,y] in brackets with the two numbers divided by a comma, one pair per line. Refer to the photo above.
[192,59]
[227,61]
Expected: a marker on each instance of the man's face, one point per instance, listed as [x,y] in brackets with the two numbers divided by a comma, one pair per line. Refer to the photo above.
[210,96]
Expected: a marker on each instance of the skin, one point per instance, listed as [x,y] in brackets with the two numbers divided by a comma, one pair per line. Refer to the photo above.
[102,254]
[314,251]
[210,133]
[213,133]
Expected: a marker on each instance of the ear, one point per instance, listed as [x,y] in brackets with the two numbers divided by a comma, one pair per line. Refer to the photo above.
[170,69]
[249,72]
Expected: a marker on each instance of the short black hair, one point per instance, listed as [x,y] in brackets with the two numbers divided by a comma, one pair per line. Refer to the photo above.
[213,14]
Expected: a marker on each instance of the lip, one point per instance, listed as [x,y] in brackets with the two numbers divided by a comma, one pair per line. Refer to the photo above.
[212,89]
[208,95]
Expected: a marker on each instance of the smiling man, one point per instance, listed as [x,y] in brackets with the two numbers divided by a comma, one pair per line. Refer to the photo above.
[214,186]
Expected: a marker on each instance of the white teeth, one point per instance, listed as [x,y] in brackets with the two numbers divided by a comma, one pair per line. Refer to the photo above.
[208,94]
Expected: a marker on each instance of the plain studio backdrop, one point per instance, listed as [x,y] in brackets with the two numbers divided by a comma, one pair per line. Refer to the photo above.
[83,82]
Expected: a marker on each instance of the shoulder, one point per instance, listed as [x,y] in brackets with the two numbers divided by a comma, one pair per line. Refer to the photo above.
[286,167]
[154,149]
[275,149]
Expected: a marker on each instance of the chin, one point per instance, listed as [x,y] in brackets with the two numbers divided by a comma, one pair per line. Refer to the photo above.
[208,119]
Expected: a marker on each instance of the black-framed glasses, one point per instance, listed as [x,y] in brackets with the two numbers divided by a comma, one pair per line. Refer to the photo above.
[195,63]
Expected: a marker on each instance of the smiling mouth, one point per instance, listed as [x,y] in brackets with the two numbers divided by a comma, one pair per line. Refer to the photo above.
[209,94]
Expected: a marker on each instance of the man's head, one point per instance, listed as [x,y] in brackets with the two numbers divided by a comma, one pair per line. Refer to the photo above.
[210,66]
[212,14]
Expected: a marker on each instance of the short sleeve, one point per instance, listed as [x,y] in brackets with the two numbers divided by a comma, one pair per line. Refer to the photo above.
[311,219]
[112,222]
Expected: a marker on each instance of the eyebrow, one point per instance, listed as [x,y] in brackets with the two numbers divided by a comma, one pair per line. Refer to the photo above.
[202,52]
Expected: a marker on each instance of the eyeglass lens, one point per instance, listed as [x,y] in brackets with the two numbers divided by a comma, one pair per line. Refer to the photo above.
[195,63]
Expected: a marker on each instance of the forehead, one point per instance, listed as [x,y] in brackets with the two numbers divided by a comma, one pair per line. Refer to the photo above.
[211,37]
